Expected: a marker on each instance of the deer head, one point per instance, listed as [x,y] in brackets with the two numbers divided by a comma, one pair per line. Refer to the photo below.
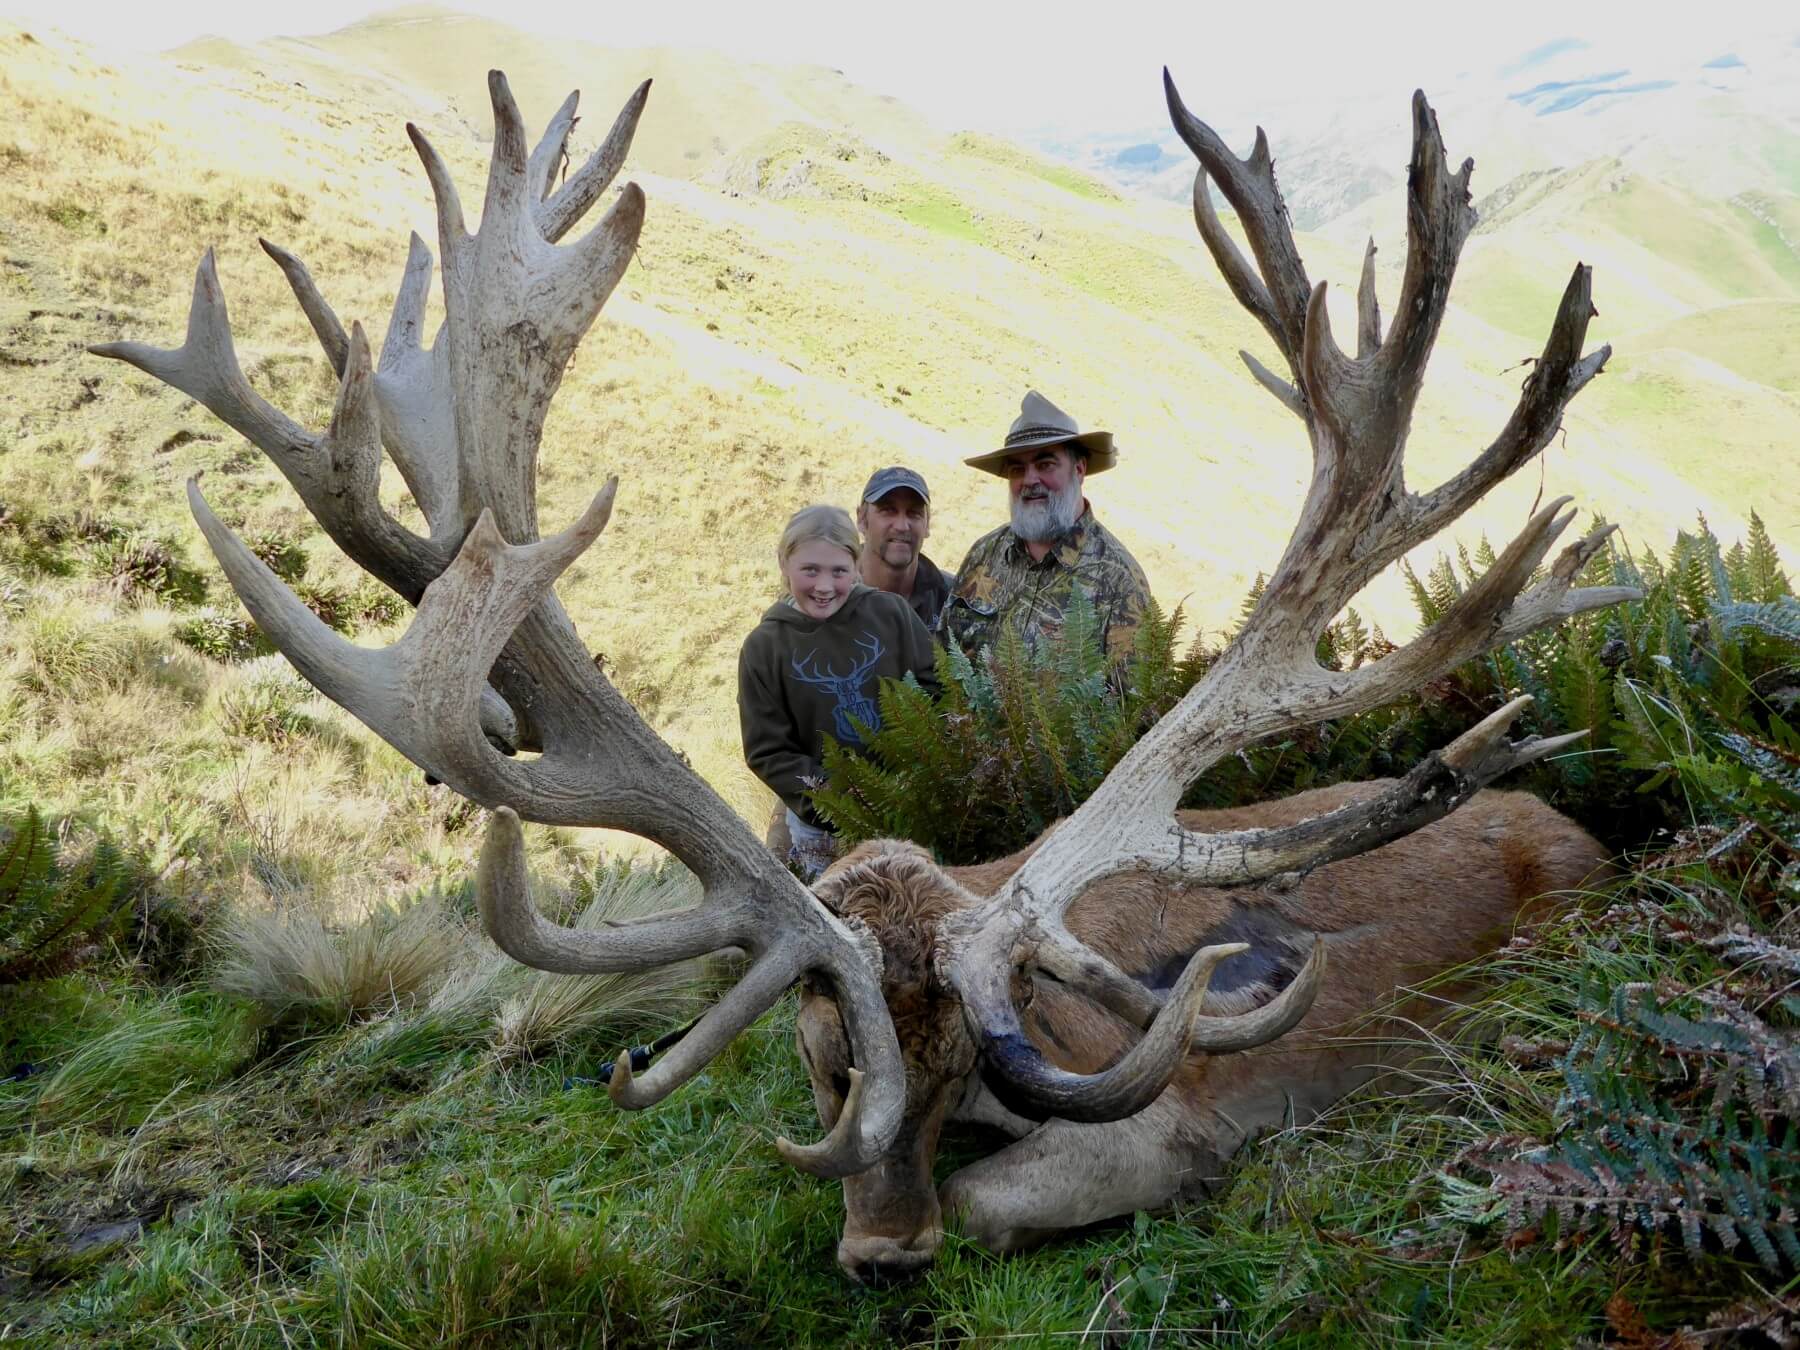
[853,704]
[491,652]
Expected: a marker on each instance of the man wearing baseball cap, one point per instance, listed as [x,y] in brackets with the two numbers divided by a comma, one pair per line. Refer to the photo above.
[1027,572]
[895,519]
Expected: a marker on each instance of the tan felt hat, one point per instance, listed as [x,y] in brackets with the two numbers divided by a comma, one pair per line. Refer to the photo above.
[1041,423]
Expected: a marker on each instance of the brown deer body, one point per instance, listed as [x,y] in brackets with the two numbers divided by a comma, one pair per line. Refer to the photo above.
[1389,920]
[1017,973]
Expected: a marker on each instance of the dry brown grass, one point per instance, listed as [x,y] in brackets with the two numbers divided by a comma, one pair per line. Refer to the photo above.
[293,965]
[533,1011]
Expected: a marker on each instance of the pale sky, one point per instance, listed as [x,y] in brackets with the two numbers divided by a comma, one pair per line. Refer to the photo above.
[1010,66]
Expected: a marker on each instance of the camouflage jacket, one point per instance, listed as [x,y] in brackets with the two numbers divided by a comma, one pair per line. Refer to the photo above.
[999,583]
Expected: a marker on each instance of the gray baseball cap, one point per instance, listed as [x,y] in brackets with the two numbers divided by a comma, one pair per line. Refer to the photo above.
[884,481]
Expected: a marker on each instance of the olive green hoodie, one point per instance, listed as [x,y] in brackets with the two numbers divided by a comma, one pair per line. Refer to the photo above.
[801,679]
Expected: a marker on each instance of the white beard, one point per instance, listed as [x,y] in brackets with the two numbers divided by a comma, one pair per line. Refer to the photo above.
[1048,518]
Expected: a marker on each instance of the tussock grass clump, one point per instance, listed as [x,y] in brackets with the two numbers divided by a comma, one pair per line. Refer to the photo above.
[534,1011]
[75,651]
[265,703]
[157,1048]
[296,968]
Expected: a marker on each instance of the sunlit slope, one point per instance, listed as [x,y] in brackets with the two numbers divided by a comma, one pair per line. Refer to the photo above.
[707,103]
[823,297]
[1701,301]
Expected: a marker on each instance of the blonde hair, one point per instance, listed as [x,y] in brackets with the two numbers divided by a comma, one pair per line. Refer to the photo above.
[820,521]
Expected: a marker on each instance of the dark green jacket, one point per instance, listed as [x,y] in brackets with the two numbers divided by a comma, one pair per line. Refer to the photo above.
[800,680]
[931,592]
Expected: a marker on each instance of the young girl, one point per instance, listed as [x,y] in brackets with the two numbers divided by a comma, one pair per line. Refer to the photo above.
[814,665]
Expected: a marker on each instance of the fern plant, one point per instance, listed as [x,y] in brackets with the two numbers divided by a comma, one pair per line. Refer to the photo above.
[53,909]
[1018,738]
[1680,1113]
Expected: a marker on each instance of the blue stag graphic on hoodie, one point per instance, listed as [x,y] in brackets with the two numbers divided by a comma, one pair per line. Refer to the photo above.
[852,702]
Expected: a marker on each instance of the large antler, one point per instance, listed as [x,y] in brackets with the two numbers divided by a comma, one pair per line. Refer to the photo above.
[463,421]
[1358,517]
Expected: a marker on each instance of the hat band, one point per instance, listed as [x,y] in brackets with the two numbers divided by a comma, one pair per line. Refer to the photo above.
[1038,434]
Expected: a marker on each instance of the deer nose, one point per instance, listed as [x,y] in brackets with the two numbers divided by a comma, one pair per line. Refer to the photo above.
[878,1261]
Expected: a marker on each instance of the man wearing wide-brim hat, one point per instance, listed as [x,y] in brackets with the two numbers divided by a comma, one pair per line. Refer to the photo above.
[1028,572]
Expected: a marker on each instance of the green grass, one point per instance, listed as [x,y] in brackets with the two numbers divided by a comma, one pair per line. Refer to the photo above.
[1759,340]
[1776,251]
[365,1204]
[1717,244]
[939,212]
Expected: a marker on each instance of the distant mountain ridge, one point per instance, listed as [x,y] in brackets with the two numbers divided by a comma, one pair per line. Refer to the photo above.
[1720,122]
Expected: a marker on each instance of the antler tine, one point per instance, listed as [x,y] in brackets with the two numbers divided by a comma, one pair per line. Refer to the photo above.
[318,312]
[508,191]
[412,384]
[1232,265]
[1028,1083]
[557,215]
[453,234]
[1368,308]
[1327,375]
[1290,397]
[1249,185]
[552,149]
[1439,218]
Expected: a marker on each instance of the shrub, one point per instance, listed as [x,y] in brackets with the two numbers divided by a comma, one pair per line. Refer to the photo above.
[267,704]
[139,565]
[297,969]
[223,636]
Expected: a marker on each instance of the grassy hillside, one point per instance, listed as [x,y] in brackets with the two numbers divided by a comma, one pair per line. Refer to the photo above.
[827,290]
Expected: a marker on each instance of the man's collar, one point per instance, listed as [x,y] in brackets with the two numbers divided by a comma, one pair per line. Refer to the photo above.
[929,577]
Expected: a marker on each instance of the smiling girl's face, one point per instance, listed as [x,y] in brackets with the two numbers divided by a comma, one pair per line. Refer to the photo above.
[819,575]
